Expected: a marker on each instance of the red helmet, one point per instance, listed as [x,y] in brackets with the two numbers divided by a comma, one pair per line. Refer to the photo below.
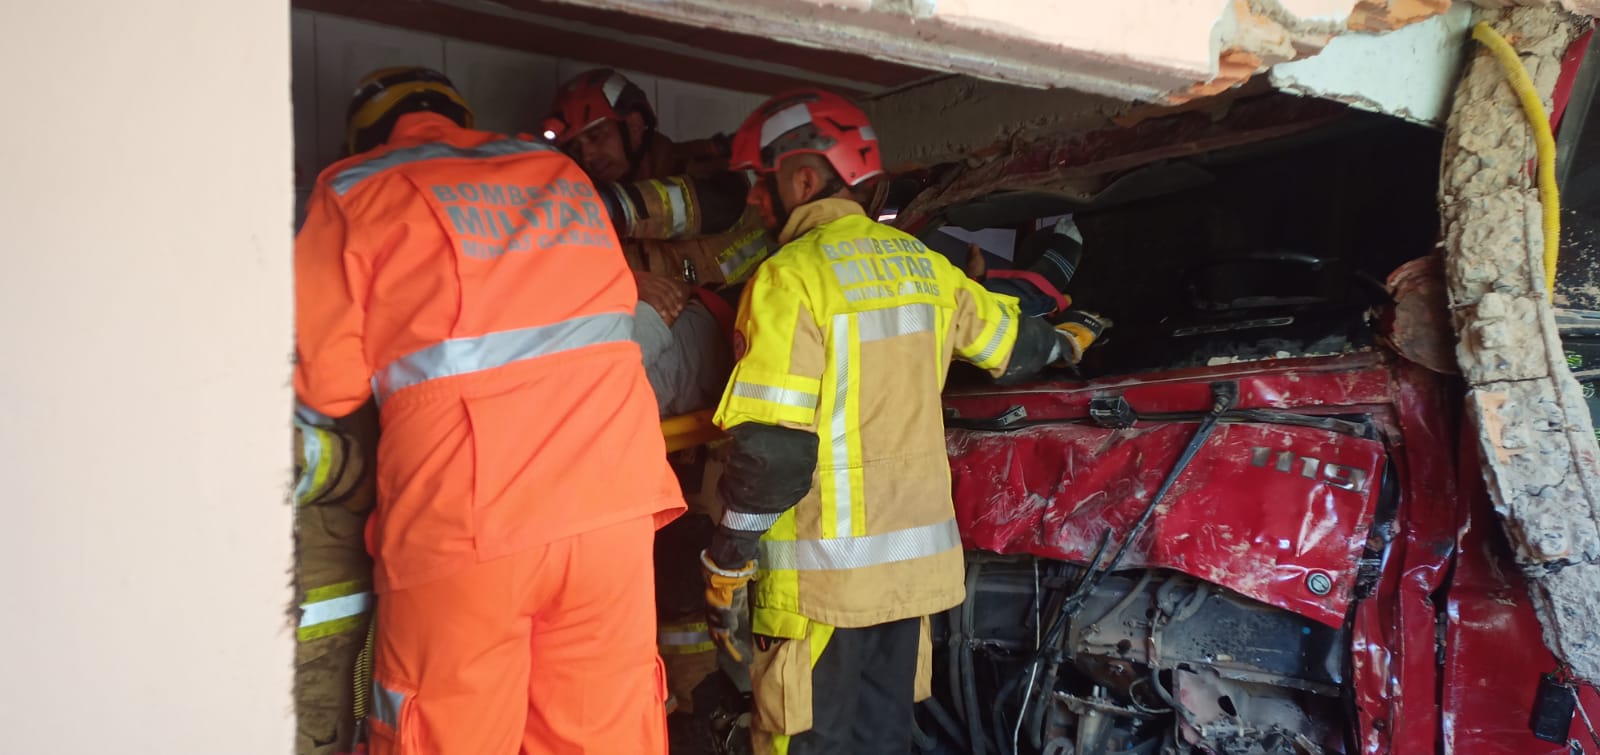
[809,121]
[592,97]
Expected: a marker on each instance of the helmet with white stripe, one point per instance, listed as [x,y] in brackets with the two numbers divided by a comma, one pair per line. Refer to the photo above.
[809,121]
[592,98]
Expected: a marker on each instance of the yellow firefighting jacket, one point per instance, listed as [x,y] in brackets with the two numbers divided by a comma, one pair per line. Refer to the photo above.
[330,467]
[727,257]
[848,332]
[333,493]
[333,574]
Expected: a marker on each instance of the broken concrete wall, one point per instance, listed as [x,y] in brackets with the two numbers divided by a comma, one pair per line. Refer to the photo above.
[1168,51]
[959,118]
[1409,72]
[1534,432]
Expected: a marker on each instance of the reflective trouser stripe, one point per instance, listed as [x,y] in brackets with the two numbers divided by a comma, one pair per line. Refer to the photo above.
[860,552]
[685,639]
[332,610]
[386,705]
[461,356]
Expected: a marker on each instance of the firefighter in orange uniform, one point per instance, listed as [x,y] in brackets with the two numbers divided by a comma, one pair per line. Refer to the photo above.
[472,285]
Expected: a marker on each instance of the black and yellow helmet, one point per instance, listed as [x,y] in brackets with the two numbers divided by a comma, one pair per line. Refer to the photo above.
[385,95]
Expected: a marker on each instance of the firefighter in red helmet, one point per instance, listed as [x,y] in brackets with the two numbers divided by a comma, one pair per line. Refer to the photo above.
[605,122]
[836,489]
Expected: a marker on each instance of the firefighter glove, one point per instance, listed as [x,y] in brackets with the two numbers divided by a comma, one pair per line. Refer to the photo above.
[728,607]
[1078,331]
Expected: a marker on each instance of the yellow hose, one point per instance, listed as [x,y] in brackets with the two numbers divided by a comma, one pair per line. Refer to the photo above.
[1549,196]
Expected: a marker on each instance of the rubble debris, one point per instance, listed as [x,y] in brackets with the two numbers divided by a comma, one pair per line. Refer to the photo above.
[1535,437]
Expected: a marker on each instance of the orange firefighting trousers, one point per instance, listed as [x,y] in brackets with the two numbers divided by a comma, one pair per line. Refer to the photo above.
[550,651]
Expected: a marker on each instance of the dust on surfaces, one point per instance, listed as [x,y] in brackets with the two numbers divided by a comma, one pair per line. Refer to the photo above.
[1533,427]
[972,117]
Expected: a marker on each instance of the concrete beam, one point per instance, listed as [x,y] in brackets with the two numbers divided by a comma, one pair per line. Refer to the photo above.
[1167,51]
[1535,438]
[1410,73]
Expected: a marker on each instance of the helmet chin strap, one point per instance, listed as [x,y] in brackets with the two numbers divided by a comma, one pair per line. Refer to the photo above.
[782,212]
[779,210]
[633,152]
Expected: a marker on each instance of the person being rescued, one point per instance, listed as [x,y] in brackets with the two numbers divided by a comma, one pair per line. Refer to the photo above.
[691,241]
[687,233]
[1039,274]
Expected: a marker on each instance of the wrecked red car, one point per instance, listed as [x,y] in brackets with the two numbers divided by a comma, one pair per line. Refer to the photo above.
[1251,524]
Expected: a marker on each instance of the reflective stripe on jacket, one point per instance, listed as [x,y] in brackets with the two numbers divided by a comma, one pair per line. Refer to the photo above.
[686,638]
[849,331]
[330,466]
[474,284]
[728,257]
[333,491]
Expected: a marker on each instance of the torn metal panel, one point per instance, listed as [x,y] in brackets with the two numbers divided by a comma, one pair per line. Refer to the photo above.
[1419,327]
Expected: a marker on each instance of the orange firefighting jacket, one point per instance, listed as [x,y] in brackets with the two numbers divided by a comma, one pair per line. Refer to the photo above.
[474,284]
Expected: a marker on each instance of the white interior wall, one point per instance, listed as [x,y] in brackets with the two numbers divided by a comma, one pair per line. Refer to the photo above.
[510,90]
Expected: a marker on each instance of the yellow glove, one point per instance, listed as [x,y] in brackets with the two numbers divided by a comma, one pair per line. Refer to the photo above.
[728,607]
[1079,330]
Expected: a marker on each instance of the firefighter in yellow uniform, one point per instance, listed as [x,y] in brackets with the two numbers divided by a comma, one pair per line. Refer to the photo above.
[837,488]
[333,576]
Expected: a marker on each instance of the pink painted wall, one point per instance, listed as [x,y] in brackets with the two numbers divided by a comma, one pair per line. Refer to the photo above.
[145,193]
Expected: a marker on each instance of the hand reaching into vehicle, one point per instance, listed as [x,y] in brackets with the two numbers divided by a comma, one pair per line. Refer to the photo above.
[977,266]
[1079,330]
[667,295]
